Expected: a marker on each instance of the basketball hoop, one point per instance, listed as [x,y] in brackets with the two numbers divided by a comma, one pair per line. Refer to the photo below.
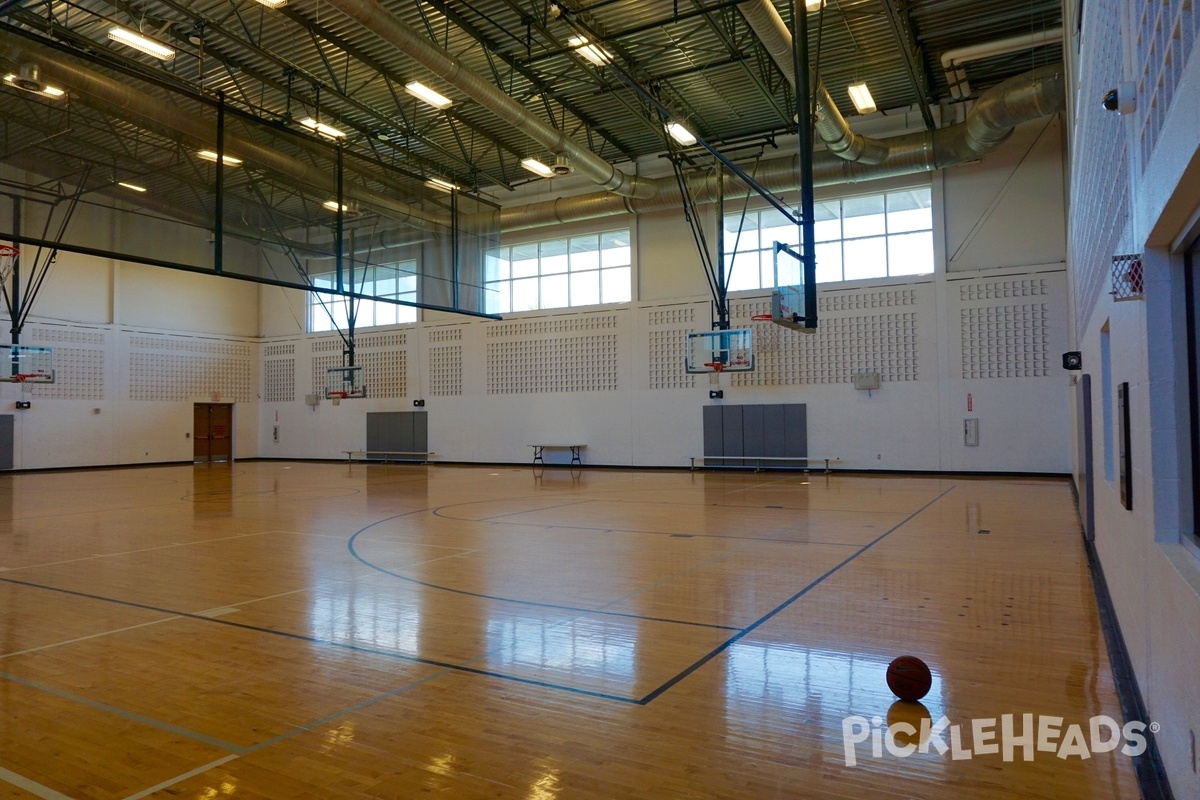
[8,255]
[337,395]
[715,366]
[761,318]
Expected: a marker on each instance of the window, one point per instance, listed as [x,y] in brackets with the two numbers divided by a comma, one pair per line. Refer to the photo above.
[396,281]
[877,236]
[559,273]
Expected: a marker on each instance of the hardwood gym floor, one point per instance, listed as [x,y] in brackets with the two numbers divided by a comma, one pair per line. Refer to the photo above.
[301,630]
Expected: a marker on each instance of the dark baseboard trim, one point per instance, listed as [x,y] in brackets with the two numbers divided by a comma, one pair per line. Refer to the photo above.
[1151,775]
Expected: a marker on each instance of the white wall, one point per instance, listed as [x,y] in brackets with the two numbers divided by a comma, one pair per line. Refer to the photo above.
[1136,189]
[609,376]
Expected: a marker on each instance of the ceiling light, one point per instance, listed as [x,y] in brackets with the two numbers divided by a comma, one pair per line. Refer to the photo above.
[131,186]
[860,95]
[274,3]
[332,205]
[34,86]
[809,5]
[537,167]
[681,134]
[143,43]
[423,92]
[438,183]
[228,160]
[322,128]
[593,53]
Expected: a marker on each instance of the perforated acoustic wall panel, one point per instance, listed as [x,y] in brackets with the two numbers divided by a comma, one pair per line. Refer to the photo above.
[383,357]
[667,330]
[384,372]
[569,354]
[174,367]
[78,366]
[445,362]
[279,380]
[867,330]
[279,373]
[1001,338]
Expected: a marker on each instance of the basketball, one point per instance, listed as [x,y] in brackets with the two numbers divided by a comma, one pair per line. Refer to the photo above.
[909,678]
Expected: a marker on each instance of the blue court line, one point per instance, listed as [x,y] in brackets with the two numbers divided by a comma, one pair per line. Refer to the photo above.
[125,713]
[328,643]
[812,585]
[353,552]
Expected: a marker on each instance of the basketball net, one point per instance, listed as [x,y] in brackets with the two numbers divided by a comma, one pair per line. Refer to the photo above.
[714,377]
[8,255]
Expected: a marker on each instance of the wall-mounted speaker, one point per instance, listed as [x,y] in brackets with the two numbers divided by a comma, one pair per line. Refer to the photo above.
[418,403]
[716,394]
[1072,359]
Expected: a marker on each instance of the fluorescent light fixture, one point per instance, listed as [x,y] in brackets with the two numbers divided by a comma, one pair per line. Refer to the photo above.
[322,128]
[211,155]
[537,167]
[44,89]
[274,3]
[143,43]
[423,92]
[593,53]
[681,134]
[438,183]
[860,95]
[809,5]
[332,205]
[131,186]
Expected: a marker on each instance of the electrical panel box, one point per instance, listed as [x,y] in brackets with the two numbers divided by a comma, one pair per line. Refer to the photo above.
[971,432]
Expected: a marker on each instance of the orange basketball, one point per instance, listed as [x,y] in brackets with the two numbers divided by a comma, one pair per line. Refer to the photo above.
[909,678]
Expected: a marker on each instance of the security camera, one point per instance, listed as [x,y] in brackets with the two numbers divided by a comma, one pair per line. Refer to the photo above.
[1123,99]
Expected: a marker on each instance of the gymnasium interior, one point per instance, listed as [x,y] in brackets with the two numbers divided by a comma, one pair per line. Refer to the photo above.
[593,399]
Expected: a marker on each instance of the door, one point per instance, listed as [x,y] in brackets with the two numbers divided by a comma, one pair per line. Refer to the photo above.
[212,432]
[1086,490]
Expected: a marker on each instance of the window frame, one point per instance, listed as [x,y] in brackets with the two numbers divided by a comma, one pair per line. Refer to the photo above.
[550,272]
[887,236]
[320,304]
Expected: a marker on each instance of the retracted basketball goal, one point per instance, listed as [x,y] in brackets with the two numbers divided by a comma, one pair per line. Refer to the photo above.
[342,383]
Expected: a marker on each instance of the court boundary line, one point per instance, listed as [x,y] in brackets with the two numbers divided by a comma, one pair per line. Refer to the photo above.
[536,604]
[785,604]
[327,642]
[29,785]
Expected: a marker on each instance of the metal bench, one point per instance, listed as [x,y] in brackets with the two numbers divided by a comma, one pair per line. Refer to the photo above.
[388,455]
[759,461]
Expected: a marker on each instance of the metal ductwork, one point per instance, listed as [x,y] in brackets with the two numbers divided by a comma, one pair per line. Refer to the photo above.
[991,120]
[416,45]
[953,60]
[830,126]
[109,95]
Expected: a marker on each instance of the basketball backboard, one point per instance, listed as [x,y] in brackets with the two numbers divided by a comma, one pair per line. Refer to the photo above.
[344,382]
[28,365]
[720,351]
[788,302]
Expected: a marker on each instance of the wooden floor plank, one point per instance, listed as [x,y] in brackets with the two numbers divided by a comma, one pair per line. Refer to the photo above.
[287,630]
